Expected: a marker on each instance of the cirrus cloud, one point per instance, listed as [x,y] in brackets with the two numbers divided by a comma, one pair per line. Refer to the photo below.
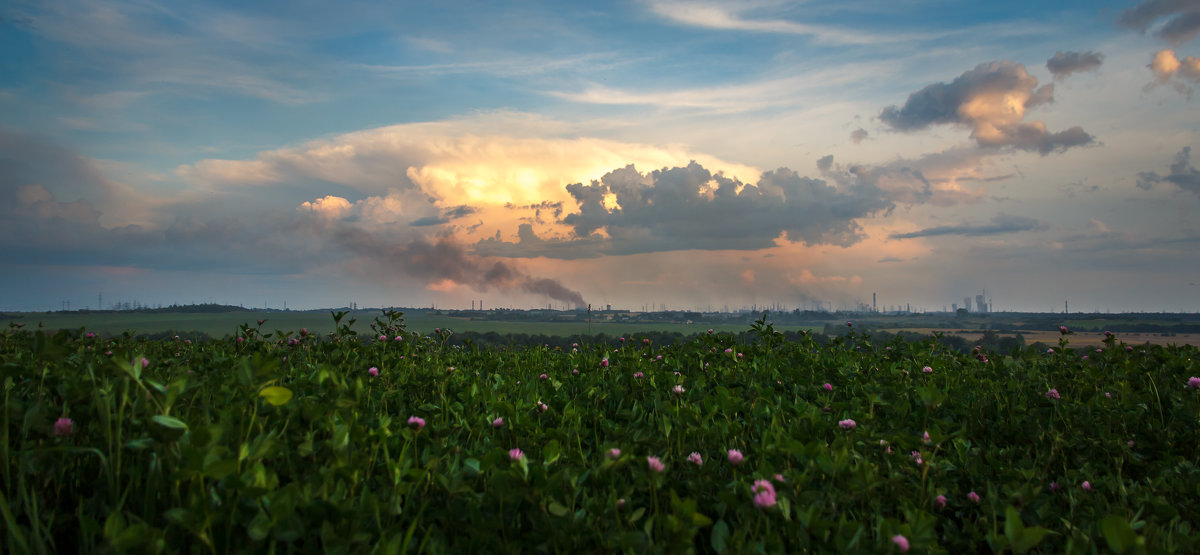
[1002,223]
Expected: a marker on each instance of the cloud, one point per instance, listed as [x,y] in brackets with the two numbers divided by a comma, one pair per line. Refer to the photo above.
[992,100]
[1170,69]
[52,214]
[487,159]
[38,201]
[825,162]
[1182,174]
[683,208]
[929,179]
[30,159]
[1063,64]
[510,65]
[192,49]
[328,206]
[37,227]
[717,99]
[1000,224]
[1182,18]
[858,135]
[723,16]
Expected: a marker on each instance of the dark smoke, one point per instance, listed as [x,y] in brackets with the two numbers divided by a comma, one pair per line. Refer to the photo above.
[446,259]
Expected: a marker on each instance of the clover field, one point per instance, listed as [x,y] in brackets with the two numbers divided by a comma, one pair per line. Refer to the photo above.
[395,442]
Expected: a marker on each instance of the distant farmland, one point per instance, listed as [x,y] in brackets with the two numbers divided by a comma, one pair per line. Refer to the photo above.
[225,323]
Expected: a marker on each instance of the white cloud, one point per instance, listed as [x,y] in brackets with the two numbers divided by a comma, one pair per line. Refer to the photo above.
[328,206]
[454,162]
[726,16]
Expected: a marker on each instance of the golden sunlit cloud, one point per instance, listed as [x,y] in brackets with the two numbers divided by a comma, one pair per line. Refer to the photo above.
[328,206]
[992,100]
[1169,68]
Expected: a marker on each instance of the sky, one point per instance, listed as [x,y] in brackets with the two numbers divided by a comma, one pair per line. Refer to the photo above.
[640,154]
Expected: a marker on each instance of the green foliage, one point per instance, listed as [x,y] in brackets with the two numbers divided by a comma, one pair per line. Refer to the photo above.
[284,441]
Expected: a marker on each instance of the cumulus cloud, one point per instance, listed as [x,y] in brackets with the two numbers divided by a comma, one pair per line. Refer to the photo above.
[328,206]
[52,213]
[858,135]
[490,159]
[1181,173]
[992,100]
[1063,64]
[680,208]
[1170,69]
[1000,224]
[930,179]
[1182,18]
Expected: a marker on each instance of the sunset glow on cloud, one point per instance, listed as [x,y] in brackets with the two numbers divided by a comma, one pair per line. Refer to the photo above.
[644,154]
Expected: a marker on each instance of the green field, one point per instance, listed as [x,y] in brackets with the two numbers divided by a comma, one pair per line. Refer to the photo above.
[724,443]
[222,324]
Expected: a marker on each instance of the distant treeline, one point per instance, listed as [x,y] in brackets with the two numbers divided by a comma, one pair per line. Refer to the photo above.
[206,308]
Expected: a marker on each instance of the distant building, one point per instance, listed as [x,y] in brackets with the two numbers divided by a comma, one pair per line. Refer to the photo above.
[980,304]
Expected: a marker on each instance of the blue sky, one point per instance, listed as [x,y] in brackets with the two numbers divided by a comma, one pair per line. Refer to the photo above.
[677,153]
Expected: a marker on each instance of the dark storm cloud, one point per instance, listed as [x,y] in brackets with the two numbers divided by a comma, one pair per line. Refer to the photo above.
[1063,64]
[999,225]
[992,100]
[1182,174]
[689,207]
[28,160]
[38,228]
[1182,18]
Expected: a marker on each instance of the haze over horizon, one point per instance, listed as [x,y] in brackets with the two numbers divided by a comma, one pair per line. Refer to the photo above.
[650,152]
